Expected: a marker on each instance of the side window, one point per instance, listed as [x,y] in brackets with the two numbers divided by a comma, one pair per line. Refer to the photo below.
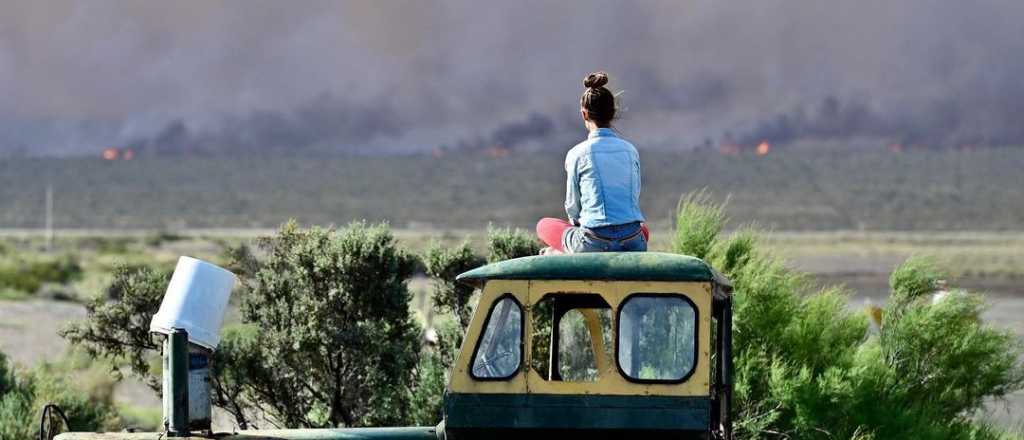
[571,337]
[499,352]
[657,338]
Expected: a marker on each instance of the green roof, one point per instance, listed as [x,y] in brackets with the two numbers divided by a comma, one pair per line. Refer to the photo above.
[616,266]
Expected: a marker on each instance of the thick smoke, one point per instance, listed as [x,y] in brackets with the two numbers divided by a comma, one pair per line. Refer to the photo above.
[394,77]
[323,124]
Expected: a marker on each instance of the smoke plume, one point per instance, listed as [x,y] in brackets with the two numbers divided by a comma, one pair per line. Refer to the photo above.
[374,77]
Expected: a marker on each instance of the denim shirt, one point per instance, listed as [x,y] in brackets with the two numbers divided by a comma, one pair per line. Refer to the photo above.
[603,185]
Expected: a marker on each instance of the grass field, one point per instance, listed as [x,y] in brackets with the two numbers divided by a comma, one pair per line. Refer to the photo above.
[787,191]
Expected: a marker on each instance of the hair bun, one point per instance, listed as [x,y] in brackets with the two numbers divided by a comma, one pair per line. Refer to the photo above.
[595,80]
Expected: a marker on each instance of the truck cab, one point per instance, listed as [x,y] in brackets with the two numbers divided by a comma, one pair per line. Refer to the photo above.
[607,345]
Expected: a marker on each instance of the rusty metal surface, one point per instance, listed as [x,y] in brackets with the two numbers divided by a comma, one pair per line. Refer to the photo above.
[412,433]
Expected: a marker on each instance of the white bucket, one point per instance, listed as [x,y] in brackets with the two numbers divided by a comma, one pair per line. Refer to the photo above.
[195,301]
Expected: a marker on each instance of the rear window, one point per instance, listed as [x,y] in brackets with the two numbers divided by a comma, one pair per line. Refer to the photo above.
[657,338]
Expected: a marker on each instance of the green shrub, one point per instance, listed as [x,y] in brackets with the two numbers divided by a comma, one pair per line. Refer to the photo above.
[117,327]
[23,395]
[914,279]
[806,367]
[427,398]
[332,308]
[141,418]
[107,245]
[161,237]
[698,222]
[29,275]
[326,337]
[235,365]
[509,243]
[442,265]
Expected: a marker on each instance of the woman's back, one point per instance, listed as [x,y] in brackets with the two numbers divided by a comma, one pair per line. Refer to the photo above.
[603,188]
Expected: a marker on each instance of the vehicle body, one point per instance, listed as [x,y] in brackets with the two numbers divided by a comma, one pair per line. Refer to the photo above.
[602,345]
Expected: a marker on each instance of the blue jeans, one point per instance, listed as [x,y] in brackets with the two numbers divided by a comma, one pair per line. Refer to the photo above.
[618,238]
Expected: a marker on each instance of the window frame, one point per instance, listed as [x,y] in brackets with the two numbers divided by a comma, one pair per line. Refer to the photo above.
[696,337]
[483,332]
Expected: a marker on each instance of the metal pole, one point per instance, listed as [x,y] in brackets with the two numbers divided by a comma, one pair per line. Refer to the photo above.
[176,384]
[49,218]
[727,368]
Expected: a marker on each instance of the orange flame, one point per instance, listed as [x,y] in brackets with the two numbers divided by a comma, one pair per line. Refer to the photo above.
[763,148]
[111,154]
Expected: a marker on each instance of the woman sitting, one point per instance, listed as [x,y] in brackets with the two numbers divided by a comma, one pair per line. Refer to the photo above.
[602,195]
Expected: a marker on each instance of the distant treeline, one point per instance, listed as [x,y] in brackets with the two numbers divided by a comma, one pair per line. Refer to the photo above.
[784,190]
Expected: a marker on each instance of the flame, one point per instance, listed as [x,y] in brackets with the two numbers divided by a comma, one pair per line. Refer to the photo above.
[763,148]
[111,154]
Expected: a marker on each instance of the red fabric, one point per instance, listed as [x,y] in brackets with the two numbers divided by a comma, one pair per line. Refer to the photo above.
[550,230]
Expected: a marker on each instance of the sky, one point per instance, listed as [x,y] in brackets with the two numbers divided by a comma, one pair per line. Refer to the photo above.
[382,77]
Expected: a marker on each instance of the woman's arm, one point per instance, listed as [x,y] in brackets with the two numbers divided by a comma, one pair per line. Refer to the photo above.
[572,191]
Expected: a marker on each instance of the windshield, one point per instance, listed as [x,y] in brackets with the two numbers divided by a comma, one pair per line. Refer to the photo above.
[657,338]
